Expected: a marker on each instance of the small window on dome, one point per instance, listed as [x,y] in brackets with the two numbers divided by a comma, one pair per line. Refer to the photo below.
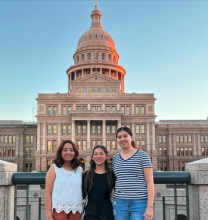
[89,56]
[109,57]
[102,36]
[107,37]
[103,56]
[85,37]
[96,36]
[90,36]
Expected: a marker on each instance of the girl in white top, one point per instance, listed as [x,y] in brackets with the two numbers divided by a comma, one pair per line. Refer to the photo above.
[63,186]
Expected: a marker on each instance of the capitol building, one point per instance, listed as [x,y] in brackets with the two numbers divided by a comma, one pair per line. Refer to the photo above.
[91,111]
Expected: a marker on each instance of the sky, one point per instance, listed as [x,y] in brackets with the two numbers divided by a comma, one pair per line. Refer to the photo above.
[163,45]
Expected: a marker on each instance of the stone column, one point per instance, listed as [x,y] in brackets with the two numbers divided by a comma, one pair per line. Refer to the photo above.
[132,109]
[118,126]
[91,70]
[104,132]
[7,190]
[75,75]
[133,130]
[117,74]
[153,138]
[69,83]
[73,131]
[174,146]
[44,138]
[198,189]
[194,150]
[101,70]
[169,146]
[118,107]
[38,139]
[199,146]
[88,136]
[148,139]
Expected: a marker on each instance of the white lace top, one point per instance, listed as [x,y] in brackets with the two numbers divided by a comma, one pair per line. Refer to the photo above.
[67,190]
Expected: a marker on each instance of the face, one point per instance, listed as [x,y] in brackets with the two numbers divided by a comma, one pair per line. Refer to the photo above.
[124,139]
[67,152]
[99,156]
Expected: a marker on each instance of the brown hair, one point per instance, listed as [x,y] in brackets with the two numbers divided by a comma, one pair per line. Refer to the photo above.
[59,160]
[127,130]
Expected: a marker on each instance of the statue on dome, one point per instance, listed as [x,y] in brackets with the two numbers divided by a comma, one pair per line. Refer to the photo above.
[96,3]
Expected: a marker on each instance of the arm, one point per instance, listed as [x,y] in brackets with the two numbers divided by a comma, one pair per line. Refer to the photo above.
[50,177]
[148,174]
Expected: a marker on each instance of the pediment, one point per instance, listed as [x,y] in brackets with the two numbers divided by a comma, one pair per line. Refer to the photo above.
[96,78]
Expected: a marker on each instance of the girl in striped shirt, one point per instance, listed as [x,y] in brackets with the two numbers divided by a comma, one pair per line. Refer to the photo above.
[134,187]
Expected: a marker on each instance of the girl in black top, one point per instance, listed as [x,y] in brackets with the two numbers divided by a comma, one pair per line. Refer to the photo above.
[98,183]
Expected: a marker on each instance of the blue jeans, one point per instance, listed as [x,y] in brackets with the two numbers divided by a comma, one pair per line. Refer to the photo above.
[129,209]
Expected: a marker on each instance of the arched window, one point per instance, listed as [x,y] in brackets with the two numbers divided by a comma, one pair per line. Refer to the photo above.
[89,56]
[96,36]
[83,57]
[109,57]
[103,56]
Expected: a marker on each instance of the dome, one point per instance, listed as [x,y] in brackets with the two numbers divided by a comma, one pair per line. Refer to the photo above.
[96,36]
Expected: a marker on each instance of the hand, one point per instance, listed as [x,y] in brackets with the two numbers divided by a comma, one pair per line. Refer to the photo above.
[84,171]
[149,213]
[50,218]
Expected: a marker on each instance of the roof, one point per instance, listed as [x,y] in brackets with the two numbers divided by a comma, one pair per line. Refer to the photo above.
[182,121]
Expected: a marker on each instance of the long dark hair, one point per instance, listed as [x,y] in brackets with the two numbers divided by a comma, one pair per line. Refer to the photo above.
[128,130]
[88,180]
[59,160]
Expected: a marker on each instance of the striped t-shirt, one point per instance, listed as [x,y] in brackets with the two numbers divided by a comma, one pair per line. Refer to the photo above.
[130,181]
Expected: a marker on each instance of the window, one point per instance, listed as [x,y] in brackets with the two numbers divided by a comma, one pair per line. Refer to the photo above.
[138,144]
[99,108]
[202,138]
[54,145]
[142,110]
[177,138]
[123,109]
[99,142]
[49,110]
[137,110]
[143,146]
[83,57]
[84,107]
[109,57]
[113,145]
[113,129]
[160,139]
[1,152]
[164,139]
[54,129]
[10,139]
[49,146]
[99,129]
[54,110]
[190,138]
[79,145]
[137,129]
[84,129]
[178,151]
[93,108]
[84,145]
[93,144]
[127,110]
[69,110]
[48,129]
[182,151]
[190,152]
[108,129]
[89,56]
[63,129]
[5,139]
[186,151]
[161,153]
[64,110]
[27,139]
[163,166]
[185,138]
[142,129]
[113,108]
[93,129]
[206,138]
[103,56]
[4,152]
[203,151]
[181,138]
[78,107]
[108,108]
[183,166]
[164,151]
[69,129]
[13,152]
[9,152]
[108,145]
[78,129]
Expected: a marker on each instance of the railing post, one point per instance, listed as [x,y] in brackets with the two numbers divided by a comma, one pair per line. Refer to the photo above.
[7,190]
[198,189]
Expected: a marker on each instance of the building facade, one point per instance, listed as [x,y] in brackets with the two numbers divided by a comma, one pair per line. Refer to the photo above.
[91,111]
[18,143]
